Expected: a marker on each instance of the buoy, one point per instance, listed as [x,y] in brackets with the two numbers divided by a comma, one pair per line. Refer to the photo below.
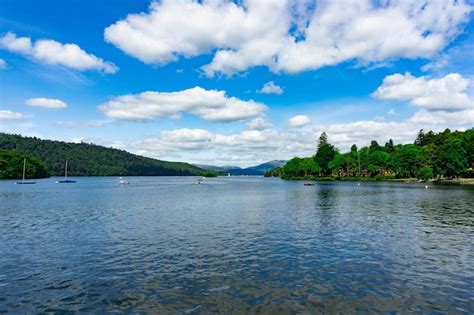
[358,184]
[426,186]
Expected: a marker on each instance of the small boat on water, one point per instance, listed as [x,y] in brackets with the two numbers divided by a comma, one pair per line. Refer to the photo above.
[309,184]
[122,182]
[65,181]
[23,182]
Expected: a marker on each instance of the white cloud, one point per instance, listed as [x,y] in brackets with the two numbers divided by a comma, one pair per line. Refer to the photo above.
[246,148]
[271,88]
[423,117]
[9,115]
[46,103]
[211,105]
[3,64]
[290,36]
[258,123]
[298,121]
[251,147]
[54,53]
[446,94]
[392,112]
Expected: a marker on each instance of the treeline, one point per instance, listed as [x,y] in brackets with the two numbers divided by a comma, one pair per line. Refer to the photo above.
[90,160]
[11,166]
[433,155]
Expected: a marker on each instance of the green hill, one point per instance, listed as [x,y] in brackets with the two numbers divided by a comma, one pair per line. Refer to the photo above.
[93,160]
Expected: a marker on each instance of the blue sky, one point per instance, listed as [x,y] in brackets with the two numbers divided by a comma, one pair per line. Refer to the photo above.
[184,80]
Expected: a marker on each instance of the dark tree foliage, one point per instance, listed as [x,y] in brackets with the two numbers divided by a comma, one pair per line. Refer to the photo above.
[11,166]
[297,167]
[389,146]
[276,172]
[374,146]
[444,154]
[92,160]
[325,154]
[451,158]
[323,140]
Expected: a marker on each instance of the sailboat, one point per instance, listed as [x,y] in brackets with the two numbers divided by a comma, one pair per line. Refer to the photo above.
[23,182]
[65,181]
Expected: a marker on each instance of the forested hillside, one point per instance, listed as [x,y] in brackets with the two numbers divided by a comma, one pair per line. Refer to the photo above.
[92,160]
[11,166]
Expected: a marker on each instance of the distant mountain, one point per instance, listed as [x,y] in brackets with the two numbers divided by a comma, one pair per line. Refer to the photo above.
[237,171]
[93,160]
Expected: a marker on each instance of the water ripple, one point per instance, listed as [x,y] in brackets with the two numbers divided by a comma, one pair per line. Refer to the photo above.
[235,245]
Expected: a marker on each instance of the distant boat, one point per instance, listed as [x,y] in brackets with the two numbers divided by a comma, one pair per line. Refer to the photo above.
[65,181]
[122,182]
[228,174]
[23,182]
[309,184]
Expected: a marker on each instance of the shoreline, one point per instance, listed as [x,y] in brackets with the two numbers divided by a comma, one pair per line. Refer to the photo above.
[455,181]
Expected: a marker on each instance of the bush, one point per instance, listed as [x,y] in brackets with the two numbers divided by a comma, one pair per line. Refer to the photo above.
[425,173]
[380,177]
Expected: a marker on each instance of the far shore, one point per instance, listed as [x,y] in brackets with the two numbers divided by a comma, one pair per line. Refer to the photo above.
[454,181]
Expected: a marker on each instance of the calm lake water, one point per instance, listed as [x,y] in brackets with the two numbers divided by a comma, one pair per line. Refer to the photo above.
[235,245]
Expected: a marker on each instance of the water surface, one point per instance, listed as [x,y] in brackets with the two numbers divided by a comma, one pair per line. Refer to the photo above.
[235,245]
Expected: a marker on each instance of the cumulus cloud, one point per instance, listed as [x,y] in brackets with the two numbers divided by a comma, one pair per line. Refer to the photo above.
[52,52]
[446,94]
[271,88]
[3,64]
[9,115]
[298,121]
[211,105]
[50,103]
[289,35]
[258,123]
[245,148]
[251,147]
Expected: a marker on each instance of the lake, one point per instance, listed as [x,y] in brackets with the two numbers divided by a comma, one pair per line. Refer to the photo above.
[235,245]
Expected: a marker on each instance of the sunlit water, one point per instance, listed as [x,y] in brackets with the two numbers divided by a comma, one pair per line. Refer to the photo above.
[235,245]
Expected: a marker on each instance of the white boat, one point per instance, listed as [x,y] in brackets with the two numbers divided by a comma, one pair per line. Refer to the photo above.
[228,174]
[23,182]
[65,181]
[122,182]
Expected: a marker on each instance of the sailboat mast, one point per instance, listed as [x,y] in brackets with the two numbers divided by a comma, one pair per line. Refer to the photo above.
[24,169]
[65,171]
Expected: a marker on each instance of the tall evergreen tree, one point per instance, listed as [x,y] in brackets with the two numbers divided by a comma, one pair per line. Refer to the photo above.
[325,154]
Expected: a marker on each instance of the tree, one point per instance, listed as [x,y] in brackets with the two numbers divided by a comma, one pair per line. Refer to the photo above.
[374,146]
[468,139]
[323,140]
[11,166]
[420,138]
[407,160]
[325,154]
[425,173]
[451,158]
[377,161]
[389,146]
